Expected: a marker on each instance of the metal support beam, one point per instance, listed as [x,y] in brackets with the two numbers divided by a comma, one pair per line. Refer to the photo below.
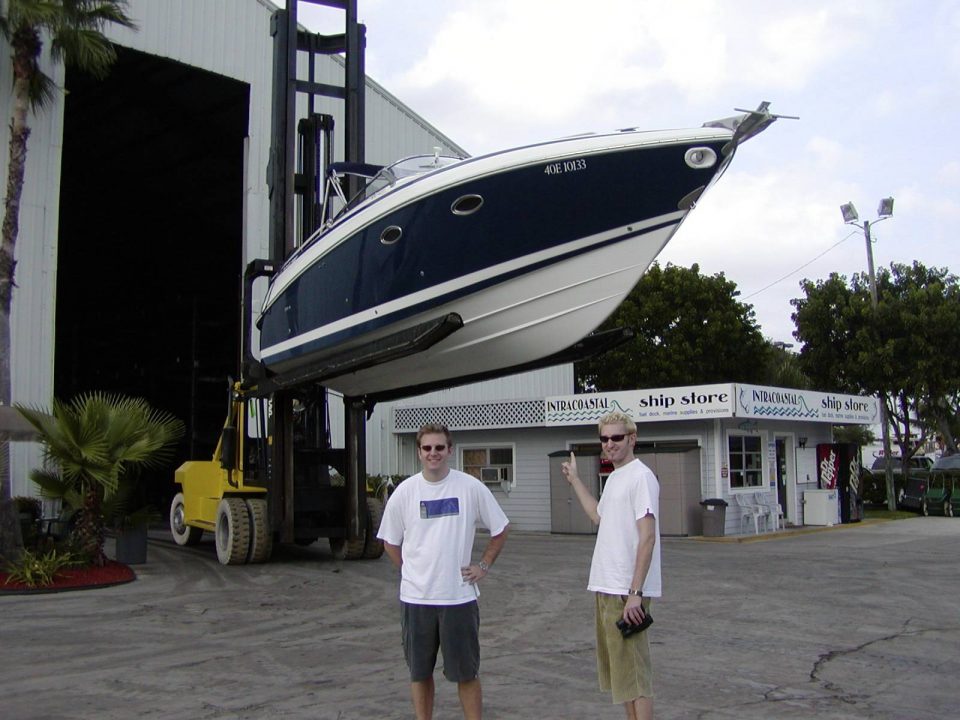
[282,486]
[355,432]
[283,26]
[356,92]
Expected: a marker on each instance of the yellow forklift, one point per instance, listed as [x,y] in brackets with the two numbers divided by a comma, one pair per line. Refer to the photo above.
[227,496]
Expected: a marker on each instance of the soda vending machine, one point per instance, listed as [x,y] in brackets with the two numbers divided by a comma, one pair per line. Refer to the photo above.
[838,467]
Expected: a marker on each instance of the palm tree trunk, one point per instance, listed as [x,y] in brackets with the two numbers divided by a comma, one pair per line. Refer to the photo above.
[26,52]
[89,531]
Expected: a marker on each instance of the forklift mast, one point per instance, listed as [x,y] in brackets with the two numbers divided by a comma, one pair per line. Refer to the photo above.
[301,150]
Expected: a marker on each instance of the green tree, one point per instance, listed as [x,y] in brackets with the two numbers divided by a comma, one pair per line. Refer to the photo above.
[74,29]
[943,415]
[907,350]
[784,370]
[688,329]
[94,442]
[857,434]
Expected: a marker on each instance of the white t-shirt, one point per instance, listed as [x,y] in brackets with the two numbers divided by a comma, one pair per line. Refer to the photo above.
[631,492]
[435,523]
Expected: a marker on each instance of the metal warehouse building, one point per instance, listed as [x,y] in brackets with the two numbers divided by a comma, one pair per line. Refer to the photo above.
[145,196]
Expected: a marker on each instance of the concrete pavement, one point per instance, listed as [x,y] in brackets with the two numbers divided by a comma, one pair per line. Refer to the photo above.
[855,622]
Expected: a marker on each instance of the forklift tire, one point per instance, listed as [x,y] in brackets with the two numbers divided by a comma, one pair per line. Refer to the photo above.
[233,531]
[183,534]
[373,547]
[344,549]
[261,540]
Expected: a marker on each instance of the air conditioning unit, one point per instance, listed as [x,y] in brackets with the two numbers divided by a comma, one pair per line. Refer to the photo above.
[492,475]
[497,476]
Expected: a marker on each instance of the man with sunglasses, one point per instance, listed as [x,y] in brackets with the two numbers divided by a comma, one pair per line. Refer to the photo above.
[625,571]
[427,531]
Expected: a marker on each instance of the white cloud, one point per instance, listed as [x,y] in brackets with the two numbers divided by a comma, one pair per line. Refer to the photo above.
[559,65]
[949,172]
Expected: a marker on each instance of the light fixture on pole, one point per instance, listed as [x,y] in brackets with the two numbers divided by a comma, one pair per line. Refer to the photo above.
[850,217]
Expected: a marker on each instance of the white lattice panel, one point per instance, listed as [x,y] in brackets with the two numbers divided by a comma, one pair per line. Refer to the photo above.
[476,416]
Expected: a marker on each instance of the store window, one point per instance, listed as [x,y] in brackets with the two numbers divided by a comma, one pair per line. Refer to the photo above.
[490,465]
[746,461]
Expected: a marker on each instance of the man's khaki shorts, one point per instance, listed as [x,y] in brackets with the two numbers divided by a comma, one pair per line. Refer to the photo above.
[623,664]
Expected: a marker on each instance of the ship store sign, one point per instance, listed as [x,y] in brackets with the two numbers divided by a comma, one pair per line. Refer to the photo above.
[772,403]
[681,403]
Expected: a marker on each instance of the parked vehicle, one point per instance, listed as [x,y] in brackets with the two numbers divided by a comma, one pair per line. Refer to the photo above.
[943,491]
[913,492]
[919,463]
[908,491]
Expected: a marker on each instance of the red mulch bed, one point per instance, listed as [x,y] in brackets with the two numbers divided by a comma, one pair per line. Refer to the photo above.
[85,578]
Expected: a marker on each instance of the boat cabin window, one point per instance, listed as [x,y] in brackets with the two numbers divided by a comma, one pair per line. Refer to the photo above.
[399,171]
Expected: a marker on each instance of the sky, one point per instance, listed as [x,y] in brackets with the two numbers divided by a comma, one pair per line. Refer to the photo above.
[876,86]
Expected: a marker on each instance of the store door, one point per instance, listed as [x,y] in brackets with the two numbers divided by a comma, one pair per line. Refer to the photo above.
[783,474]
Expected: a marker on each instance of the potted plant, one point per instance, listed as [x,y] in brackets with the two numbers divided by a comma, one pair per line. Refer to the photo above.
[93,444]
[129,527]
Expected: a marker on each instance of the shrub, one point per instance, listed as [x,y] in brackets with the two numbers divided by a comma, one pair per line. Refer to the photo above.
[39,570]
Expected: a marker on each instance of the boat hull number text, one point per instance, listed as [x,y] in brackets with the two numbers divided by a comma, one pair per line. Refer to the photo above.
[565,166]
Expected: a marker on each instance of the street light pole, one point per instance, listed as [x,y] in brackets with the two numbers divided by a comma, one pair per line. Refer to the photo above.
[850,217]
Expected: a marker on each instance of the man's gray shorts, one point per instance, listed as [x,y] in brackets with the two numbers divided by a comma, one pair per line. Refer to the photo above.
[452,629]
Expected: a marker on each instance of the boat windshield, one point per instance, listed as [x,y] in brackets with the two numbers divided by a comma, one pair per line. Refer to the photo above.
[399,171]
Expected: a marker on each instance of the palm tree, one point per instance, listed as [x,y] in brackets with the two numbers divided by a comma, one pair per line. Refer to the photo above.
[75,29]
[93,443]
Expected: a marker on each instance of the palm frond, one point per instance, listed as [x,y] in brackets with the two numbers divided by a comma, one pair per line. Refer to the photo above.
[51,483]
[96,438]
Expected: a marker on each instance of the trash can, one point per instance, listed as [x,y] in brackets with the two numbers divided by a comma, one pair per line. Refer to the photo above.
[714,516]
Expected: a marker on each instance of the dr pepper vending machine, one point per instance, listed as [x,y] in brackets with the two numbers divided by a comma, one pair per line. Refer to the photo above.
[838,467]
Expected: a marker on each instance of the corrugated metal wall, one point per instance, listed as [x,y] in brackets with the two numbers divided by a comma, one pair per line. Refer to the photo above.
[32,321]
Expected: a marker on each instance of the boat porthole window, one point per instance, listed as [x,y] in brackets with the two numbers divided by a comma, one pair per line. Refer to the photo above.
[466,204]
[700,157]
[391,234]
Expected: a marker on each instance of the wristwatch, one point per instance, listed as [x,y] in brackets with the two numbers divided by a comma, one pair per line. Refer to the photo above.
[483,566]
[638,592]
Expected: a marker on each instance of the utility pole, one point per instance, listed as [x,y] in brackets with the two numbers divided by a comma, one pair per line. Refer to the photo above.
[850,217]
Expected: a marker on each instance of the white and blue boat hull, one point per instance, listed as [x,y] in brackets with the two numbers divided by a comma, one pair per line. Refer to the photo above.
[531,249]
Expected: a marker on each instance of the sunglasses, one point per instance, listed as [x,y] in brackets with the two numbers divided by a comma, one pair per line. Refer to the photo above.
[604,439]
[429,448]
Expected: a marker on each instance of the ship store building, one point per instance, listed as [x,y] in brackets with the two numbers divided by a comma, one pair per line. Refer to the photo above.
[728,441]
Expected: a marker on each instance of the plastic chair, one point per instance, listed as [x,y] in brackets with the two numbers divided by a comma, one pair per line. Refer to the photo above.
[60,527]
[748,512]
[776,514]
[770,511]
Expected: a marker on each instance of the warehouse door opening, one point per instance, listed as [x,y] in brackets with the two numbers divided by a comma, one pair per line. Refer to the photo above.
[150,242]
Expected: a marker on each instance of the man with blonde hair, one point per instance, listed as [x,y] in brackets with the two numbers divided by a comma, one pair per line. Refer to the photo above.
[625,570]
